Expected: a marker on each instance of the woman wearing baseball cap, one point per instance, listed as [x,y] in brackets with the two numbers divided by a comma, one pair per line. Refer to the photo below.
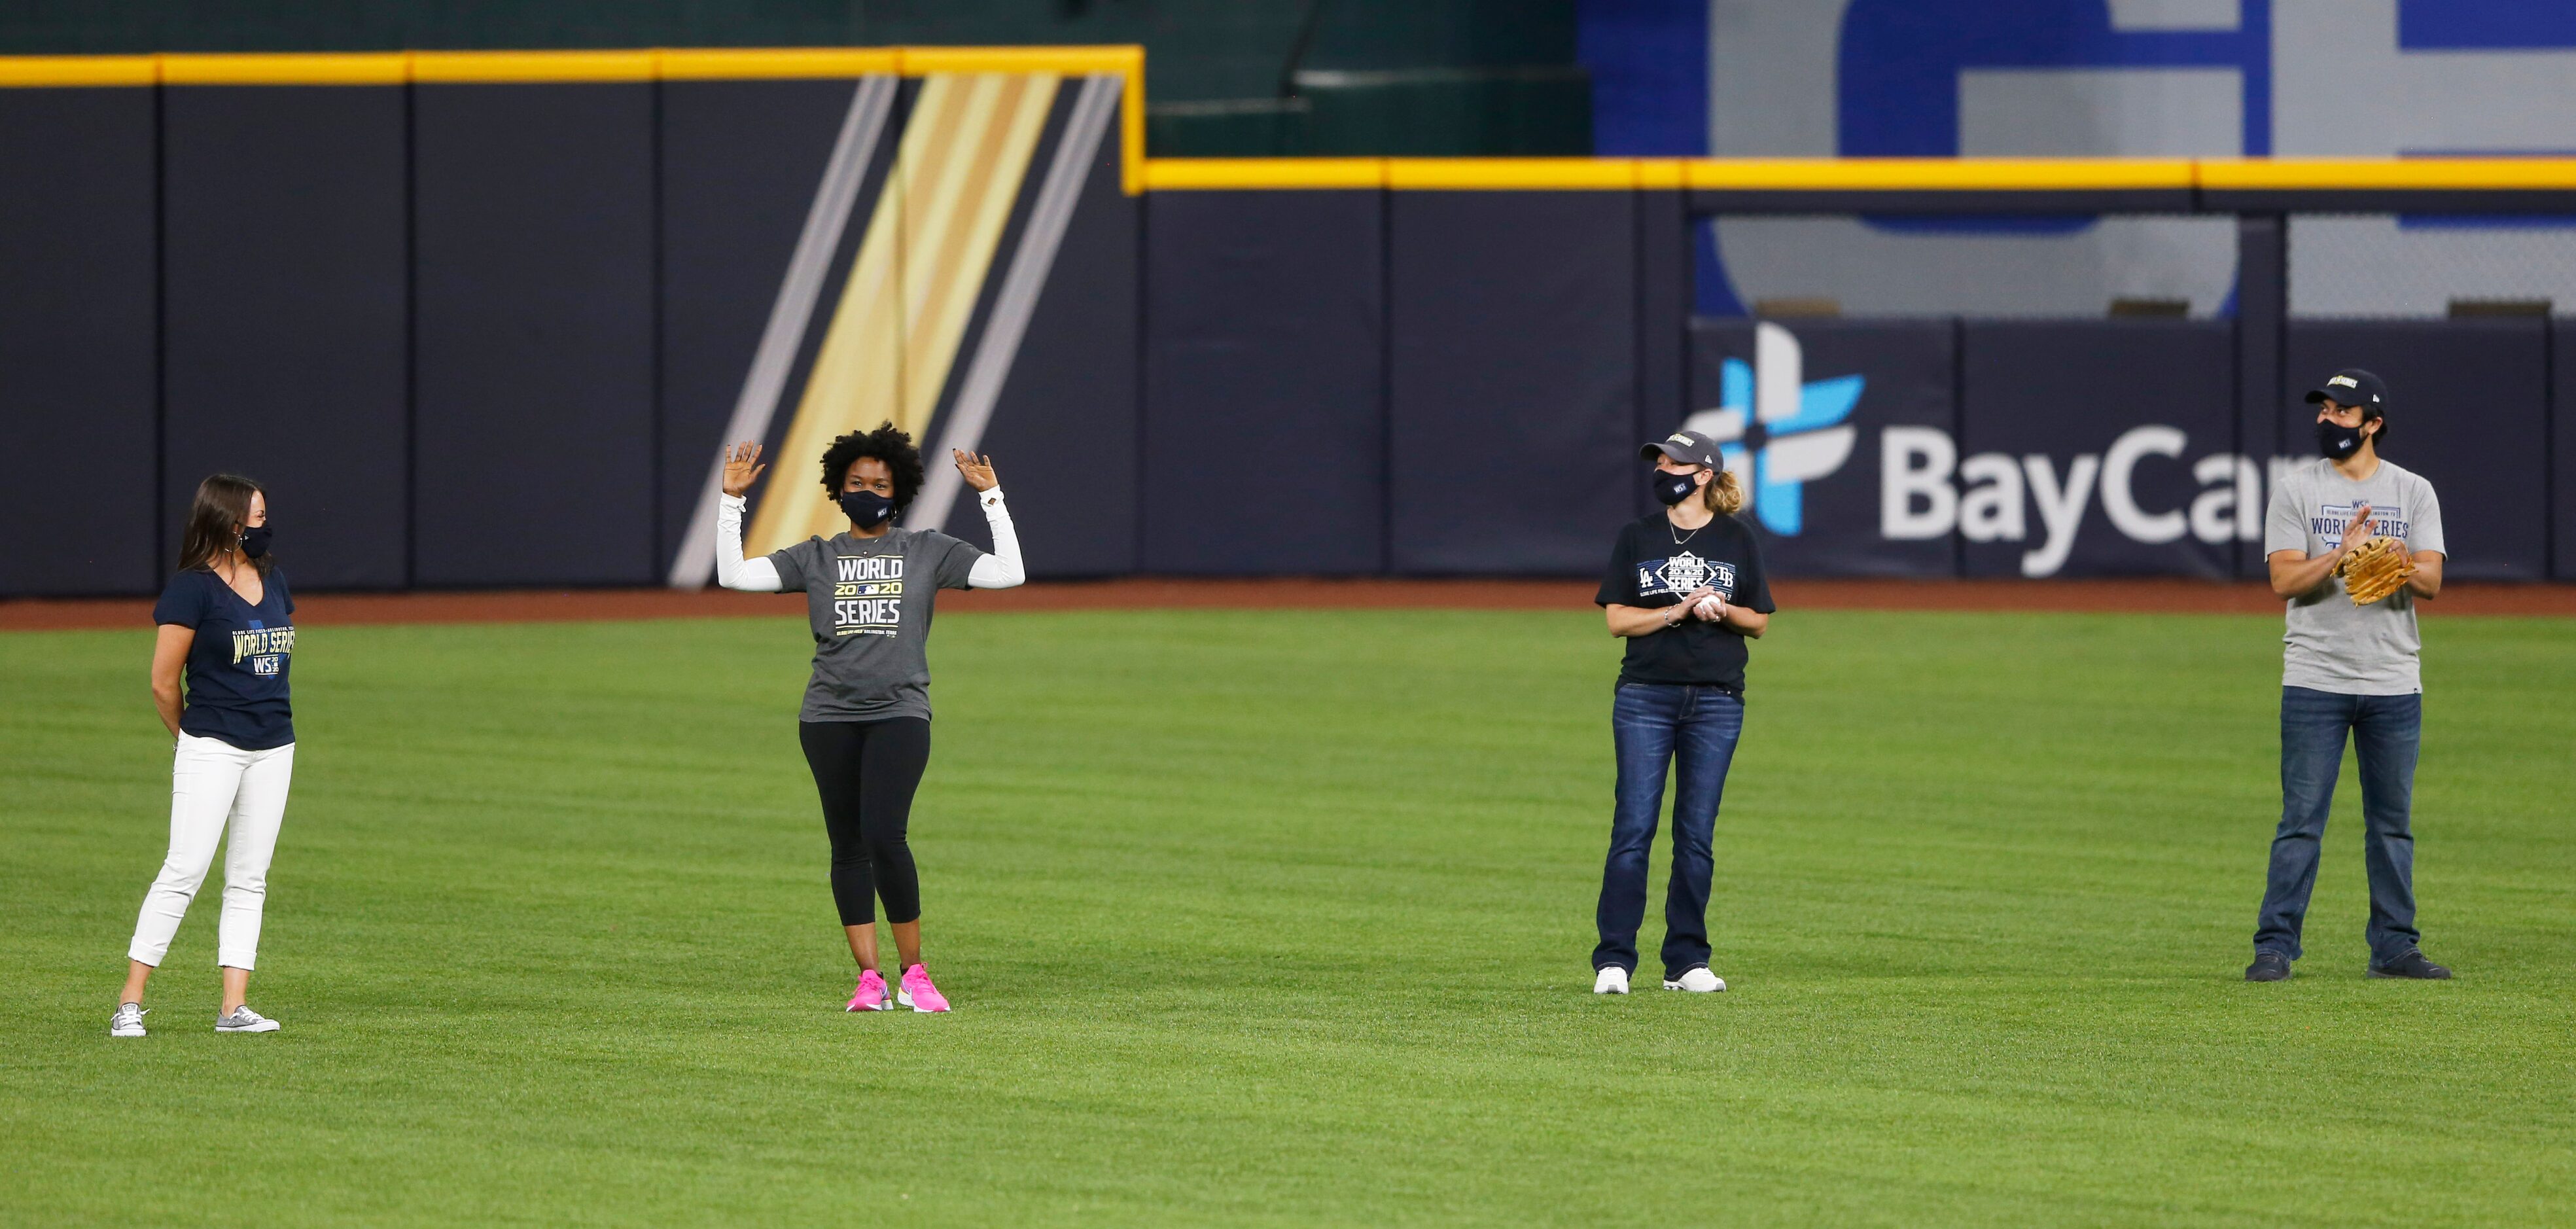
[1686,590]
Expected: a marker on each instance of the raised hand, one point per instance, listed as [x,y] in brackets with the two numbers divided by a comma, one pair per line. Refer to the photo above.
[977,469]
[2356,529]
[742,467]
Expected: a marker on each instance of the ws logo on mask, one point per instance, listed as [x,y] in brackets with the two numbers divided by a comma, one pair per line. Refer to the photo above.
[1777,433]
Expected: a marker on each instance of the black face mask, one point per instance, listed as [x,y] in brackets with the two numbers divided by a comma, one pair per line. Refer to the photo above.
[866,509]
[2337,441]
[254,541]
[1671,489]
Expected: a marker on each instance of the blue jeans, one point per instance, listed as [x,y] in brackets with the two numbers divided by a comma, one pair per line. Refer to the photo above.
[2386,730]
[1655,725]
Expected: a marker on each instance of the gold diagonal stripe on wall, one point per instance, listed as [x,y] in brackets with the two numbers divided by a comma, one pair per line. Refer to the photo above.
[942,303]
[931,202]
[857,372]
[928,248]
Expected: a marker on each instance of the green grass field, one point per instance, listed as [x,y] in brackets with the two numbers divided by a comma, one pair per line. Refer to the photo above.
[1285,918]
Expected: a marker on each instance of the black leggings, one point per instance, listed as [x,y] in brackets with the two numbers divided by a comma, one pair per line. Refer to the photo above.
[866,772]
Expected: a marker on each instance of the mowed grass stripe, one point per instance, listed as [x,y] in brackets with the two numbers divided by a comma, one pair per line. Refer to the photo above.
[1283,917]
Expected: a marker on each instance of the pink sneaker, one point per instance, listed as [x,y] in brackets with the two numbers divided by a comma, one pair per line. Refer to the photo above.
[871,995]
[918,994]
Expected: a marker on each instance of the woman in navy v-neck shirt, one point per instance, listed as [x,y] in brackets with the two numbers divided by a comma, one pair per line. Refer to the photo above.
[224,622]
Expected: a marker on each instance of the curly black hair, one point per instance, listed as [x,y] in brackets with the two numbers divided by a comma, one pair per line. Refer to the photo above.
[887,443]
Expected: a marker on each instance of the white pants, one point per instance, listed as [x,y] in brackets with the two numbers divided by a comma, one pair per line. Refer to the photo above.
[211,783]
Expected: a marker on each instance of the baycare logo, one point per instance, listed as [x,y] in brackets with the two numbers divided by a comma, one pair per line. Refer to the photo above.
[1775,431]
[1927,491]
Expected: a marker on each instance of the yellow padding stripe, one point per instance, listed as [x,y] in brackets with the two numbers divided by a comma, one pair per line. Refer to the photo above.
[1544,173]
[1065,61]
[1131,129]
[749,63]
[1863,174]
[1936,174]
[532,66]
[2500,174]
[62,70]
[382,68]
[642,64]
[1164,174]
[1794,174]
[695,64]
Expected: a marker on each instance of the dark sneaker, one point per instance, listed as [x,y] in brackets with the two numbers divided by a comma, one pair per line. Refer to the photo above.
[2268,966]
[2414,965]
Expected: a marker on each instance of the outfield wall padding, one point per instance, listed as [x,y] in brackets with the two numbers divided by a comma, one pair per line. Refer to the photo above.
[2060,399]
[1513,410]
[534,444]
[78,341]
[286,274]
[491,334]
[1265,383]
[2562,452]
[1665,362]
[2469,410]
[1067,429]
[740,164]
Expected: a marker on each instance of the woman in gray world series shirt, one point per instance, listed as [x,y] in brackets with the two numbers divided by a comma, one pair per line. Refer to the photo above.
[865,723]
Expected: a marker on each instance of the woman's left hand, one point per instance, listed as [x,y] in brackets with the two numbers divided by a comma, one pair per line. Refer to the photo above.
[1710,609]
[977,469]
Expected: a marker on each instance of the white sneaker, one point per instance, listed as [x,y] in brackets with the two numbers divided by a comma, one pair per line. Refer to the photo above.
[244,1020]
[127,1022]
[1612,980]
[1697,981]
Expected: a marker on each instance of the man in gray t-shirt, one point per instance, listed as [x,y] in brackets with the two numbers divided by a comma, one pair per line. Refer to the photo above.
[2348,669]
[870,602]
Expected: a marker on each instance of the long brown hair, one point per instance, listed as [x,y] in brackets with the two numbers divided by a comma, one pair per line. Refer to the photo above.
[215,521]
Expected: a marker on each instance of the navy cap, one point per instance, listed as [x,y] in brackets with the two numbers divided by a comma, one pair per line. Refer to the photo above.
[2352,386]
[1687,447]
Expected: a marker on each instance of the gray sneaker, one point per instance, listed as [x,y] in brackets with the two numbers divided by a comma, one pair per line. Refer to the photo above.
[244,1020]
[127,1022]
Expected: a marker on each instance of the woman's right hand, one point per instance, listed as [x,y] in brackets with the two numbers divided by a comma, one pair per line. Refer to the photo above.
[1688,607]
[742,467]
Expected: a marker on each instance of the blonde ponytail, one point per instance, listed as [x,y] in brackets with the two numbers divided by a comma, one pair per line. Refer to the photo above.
[1724,493]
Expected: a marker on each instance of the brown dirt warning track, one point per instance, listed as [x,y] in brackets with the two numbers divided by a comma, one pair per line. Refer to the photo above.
[587,605]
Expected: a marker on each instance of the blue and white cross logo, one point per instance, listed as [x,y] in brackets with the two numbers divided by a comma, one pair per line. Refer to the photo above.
[1777,432]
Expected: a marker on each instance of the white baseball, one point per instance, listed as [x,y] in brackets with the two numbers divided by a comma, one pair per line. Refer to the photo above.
[1710,607]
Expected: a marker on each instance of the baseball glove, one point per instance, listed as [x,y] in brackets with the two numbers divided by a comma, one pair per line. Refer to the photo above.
[2375,569]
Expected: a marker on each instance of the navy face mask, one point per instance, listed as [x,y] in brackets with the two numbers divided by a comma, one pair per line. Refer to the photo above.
[1671,489]
[2337,441]
[866,509]
[254,541]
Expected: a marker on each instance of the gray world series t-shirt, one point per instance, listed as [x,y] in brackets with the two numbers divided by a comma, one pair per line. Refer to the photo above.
[2331,644]
[870,601]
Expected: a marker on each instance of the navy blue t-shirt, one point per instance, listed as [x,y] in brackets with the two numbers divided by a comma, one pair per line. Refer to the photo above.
[237,667]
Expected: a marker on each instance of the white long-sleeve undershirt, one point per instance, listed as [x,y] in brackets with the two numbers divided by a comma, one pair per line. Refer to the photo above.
[1001,569]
